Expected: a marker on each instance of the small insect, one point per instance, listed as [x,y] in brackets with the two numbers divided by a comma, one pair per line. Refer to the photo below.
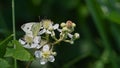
[31,28]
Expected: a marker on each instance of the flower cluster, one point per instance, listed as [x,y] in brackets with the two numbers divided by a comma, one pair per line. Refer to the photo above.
[41,37]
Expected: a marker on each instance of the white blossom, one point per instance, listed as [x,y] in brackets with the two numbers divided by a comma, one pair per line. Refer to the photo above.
[33,44]
[45,55]
[47,27]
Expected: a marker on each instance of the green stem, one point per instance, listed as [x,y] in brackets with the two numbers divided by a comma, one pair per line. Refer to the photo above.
[29,63]
[6,39]
[13,19]
[14,37]
[58,41]
[47,37]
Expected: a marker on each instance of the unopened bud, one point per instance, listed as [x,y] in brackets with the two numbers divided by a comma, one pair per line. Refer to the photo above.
[64,29]
[76,35]
[54,53]
[71,42]
[69,24]
[62,24]
[73,24]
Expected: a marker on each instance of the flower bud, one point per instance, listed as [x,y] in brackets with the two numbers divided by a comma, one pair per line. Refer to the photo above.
[54,53]
[73,24]
[76,35]
[64,29]
[62,24]
[71,42]
[69,24]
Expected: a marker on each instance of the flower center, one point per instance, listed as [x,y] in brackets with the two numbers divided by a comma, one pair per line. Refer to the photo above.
[46,54]
[47,23]
[28,39]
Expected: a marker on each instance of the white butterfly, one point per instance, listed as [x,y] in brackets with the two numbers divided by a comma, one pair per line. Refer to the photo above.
[31,28]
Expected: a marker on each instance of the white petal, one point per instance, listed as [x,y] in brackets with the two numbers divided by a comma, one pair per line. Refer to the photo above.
[48,32]
[59,30]
[27,46]
[56,26]
[37,54]
[38,46]
[22,42]
[43,61]
[52,33]
[37,39]
[46,47]
[70,35]
[42,31]
[51,58]
[34,45]
[50,25]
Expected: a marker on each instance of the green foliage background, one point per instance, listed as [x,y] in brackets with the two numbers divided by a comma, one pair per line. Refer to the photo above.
[98,22]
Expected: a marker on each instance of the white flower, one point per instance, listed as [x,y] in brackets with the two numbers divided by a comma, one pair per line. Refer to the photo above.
[48,27]
[30,42]
[47,30]
[45,54]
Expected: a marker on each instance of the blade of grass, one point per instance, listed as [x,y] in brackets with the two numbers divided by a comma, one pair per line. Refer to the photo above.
[13,20]
[95,11]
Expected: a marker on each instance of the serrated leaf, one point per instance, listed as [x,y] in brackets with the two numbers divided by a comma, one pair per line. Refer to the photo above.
[4,63]
[19,52]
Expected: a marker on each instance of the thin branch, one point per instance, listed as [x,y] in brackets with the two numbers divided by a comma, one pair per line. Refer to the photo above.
[28,65]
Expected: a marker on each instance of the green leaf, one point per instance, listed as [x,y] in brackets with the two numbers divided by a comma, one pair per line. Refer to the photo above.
[4,63]
[9,52]
[3,45]
[19,52]
[99,64]
[114,17]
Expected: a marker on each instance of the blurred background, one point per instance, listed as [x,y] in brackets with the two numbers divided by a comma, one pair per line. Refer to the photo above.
[98,22]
